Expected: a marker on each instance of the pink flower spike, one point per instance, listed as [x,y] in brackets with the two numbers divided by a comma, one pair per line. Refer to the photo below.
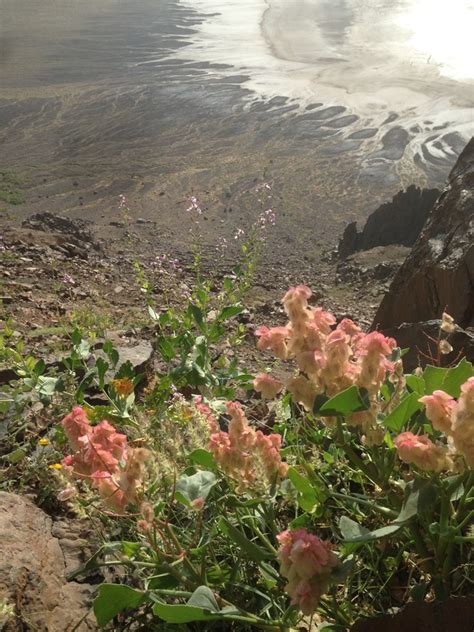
[267,385]
[439,409]
[307,563]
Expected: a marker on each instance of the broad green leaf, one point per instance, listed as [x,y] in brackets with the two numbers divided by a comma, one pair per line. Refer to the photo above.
[422,495]
[203,597]
[102,367]
[354,532]
[196,313]
[352,400]
[416,383]
[456,377]
[201,606]
[307,497]
[230,311]
[255,552]
[190,488]
[403,412]
[113,598]
[202,457]
[448,380]
[83,349]
[40,367]
[47,385]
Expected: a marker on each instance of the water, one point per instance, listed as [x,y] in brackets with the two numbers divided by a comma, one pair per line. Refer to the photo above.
[343,101]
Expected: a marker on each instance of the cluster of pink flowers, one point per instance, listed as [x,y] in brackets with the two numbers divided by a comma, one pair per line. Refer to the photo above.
[307,563]
[248,456]
[101,455]
[422,452]
[330,358]
[455,419]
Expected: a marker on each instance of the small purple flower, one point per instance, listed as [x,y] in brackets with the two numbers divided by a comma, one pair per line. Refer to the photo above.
[194,206]
[68,279]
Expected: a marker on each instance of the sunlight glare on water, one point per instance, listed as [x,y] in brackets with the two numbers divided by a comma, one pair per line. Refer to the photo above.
[444,33]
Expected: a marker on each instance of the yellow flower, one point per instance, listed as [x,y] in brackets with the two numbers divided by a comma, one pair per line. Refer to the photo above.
[123,386]
[55,466]
[43,442]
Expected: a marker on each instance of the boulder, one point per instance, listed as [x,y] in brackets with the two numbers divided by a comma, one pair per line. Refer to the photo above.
[33,587]
[438,275]
[397,222]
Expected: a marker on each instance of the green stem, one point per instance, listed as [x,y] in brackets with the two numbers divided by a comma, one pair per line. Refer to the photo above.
[354,458]
[390,513]
[422,548]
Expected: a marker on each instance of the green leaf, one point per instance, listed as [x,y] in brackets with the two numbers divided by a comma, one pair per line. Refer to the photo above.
[102,367]
[252,550]
[448,380]
[352,400]
[307,497]
[230,311]
[415,383]
[196,313]
[166,348]
[83,349]
[354,532]
[202,457]
[203,597]
[110,351]
[40,367]
[403,412]
[47,385]
[201,606]
[340,572]
[16,456]
[113,598]
[190,488]
[154,315]
[422,495]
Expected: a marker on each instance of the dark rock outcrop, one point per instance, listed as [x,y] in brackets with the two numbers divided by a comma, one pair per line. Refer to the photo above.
[439,272]
[397,222]
[77,230]
[421,340]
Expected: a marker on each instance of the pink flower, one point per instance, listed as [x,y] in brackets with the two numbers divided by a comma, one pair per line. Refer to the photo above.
[307,563]
[76,425]
[267,385]
[463,422]
[324,320]
[422,452]
[302,390]
[274,339]
[249,457]
[439,409]
[295,301]
[101,455]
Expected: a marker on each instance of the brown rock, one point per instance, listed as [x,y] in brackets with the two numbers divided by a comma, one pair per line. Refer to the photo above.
[32,574]
[439,273]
